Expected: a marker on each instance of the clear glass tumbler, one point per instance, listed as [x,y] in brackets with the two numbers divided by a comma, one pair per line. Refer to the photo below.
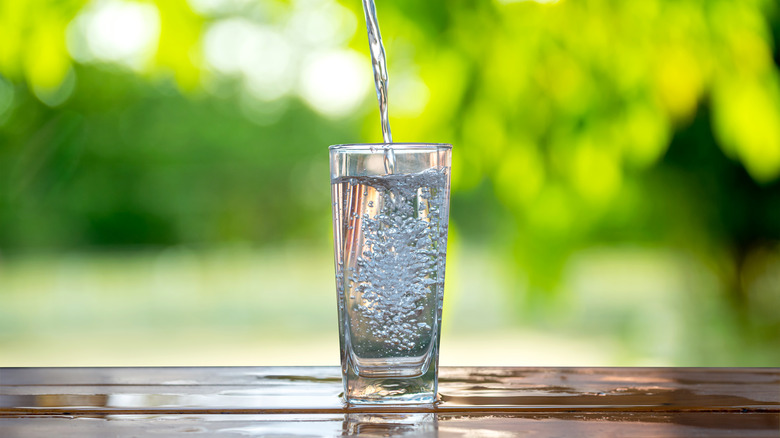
[390,216]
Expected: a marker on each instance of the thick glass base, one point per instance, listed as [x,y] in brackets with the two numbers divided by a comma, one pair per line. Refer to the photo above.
[420,389]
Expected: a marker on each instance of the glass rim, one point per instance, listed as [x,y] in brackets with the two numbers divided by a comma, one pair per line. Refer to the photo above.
[379,147]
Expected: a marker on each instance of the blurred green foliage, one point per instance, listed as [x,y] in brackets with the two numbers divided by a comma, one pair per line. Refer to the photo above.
[575,123]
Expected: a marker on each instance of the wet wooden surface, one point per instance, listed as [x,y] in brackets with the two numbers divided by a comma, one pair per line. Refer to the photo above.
[304,401]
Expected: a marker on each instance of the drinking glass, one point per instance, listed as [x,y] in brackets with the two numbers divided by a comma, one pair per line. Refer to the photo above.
[390,215]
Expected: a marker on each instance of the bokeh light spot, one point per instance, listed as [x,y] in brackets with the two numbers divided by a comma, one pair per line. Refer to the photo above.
[334,83]
[118,31]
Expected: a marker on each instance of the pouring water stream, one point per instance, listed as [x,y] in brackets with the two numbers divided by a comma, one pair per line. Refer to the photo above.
[379,64]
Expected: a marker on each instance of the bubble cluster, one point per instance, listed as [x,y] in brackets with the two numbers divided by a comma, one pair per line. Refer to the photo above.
[394,232]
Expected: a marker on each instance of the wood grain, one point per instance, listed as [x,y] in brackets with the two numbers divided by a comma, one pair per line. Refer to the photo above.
[304,401]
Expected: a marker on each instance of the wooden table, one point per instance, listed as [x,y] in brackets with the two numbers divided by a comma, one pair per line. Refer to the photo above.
[304,401]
